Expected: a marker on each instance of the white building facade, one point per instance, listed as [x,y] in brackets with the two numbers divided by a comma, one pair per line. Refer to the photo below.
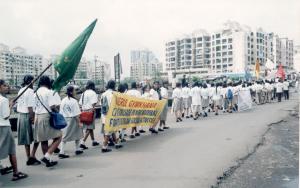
[230,50]
[144,65]
[16,63]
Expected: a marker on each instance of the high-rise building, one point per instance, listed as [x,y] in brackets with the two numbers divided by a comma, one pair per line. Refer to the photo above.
[99,71]
[144,65]
[16,63]
[229,50]
[297,58]
[82,71]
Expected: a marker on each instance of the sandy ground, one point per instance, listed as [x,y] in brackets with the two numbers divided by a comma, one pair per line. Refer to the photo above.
[190,154]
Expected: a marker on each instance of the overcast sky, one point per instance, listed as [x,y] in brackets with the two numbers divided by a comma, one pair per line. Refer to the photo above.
[48,26]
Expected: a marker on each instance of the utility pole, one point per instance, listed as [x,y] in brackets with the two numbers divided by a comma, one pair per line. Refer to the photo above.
[95,68]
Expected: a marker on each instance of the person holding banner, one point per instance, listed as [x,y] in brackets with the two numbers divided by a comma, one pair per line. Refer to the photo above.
[135,93]
[106,102]
[43,132]
[25,105]
[154,95]
[164,113]
[69,108]
[88,101]
[177,102]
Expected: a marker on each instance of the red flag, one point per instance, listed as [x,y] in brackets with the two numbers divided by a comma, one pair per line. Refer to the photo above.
[280,72]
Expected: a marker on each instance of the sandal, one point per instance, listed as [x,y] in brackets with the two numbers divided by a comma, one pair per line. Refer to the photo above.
[19,176]
[6,170]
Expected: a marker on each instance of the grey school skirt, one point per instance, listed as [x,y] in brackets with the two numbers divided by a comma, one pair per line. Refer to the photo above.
[164,113]
[7,142]
[25,130]
[72,132]
[177,104]
[42,129]
[91,126]
[205,102]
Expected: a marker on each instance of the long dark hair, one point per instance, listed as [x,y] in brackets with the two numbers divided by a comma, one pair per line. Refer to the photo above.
[90,85]
[27,80]
[44,81]
[69,92]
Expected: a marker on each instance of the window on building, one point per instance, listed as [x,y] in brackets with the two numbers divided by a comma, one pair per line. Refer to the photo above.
[230,40]
[224,41]
[218,48]
[218,42]
[199,39]
[218,35]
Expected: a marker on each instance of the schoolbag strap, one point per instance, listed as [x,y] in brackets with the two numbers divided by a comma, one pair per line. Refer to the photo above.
[42,103]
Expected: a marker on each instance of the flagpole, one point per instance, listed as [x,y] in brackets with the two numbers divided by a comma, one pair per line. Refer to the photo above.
[32,82]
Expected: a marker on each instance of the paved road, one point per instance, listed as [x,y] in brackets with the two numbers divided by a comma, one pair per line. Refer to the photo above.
[190,154]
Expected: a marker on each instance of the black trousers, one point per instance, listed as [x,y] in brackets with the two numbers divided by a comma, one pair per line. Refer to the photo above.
[286,94]
[279,96]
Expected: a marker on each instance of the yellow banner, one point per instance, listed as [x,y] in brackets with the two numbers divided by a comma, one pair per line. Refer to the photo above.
[126,111]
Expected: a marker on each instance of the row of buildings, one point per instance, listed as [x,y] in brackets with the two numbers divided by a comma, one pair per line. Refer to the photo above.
[15,63]
[230,50]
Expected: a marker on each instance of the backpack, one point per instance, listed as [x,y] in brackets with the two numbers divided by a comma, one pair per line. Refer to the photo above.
[229,94]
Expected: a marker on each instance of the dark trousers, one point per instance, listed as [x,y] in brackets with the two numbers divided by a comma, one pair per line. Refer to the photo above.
[279,96]
[286,94]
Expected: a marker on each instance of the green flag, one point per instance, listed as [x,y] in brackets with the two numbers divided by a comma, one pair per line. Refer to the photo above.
[66,64]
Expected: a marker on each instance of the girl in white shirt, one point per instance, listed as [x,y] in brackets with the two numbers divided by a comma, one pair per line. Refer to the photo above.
[88,101]
[69,108]
[204,99]
[25,105]
[216,97]
[43,132]
[196,100]
[186,92]
[7,142]
[177,102]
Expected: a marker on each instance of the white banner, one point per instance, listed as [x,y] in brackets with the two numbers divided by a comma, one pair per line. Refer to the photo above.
[244,100]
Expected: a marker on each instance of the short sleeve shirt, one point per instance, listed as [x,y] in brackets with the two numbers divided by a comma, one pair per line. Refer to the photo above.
[46,97]
[4,111]
[87,99]
[26,100]
[69,107]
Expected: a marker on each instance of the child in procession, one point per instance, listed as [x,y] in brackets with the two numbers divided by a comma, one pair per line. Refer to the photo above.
[177,102]
[69,108]
[25,105]
[164,113]
[88,101]
[7,142]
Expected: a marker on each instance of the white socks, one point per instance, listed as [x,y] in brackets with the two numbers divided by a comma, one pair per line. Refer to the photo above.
[62,145]
[77,148]
[48,156]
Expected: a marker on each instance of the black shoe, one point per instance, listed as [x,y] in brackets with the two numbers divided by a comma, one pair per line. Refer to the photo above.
[105,150]
[48,163]
[208,110]
[125,135]
[95,144]
[177,120]
[111,144]
[132,136]
[187,117]
[56,151]
[137,134]
[6,170]
[161,130]
[33,161]
[216,114]
[142,131]
[123,140]
[191,116]
[182,115]
[166,127]
[153,131]
[180,119]
[82,146]
[78,152]
[119,146]
[63,156]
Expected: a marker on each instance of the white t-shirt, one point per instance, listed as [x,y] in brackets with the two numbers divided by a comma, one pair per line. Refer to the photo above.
[134,92]
[164,93]
[69,107]
[47,98]
[279,87]
[146,95]
[223,91]
[196,96]
[216,93]
[286,85]
[108,94]
[186,92]
[154,95]
[89,99]
[177,93]
[56,98]
[204,93]
[26,100]
[4,111]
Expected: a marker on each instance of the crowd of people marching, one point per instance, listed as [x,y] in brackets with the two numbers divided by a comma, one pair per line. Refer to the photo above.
[34,107]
